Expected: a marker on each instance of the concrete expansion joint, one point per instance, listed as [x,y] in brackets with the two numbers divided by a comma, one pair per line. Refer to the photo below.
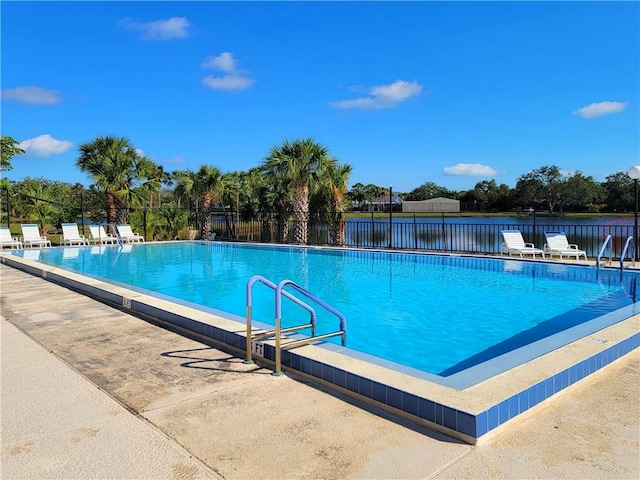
[189,398]
[177,446]
[437,472]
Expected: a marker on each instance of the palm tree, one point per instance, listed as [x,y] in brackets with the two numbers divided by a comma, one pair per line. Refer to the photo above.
[157,177]
[231,197]
[259,201]
[41,203]
[207,186]
[173,219]
[338,179]
[184,192]
[117,170]
[299,163]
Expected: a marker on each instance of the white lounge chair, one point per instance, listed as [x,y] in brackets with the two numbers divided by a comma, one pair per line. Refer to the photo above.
[557,244]
[6,240]
[31,236]
[71,236]
[100,236]
[127,235]
[514,243]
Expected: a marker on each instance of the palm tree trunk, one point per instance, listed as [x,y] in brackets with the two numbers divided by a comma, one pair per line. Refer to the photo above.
[283,226]
[301,214]
[265,228]
[111,209]
[206,218]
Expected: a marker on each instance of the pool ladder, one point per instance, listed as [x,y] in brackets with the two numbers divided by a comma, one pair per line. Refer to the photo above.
[279,331]
[116,234]
[629,241]
[608,242]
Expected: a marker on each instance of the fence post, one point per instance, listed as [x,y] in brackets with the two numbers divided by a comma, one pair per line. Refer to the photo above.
[8,208]
[444,235]
[82,211]
[373,231]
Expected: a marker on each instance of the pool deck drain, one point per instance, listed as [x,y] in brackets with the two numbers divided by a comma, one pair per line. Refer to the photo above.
[183,409]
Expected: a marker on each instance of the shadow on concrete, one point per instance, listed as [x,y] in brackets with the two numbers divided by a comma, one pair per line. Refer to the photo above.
[195,361]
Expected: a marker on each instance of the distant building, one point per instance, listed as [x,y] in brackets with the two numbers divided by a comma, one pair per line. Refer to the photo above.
[433,205]
[381,204]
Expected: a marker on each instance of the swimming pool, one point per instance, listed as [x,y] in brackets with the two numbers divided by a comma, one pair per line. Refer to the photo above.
[436,314]
[454,358]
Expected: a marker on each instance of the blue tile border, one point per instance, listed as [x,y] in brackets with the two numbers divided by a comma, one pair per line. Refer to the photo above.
[493,417]
[467,424]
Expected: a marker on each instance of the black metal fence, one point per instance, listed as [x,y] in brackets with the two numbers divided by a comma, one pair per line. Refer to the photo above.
[481,235]
[448,235]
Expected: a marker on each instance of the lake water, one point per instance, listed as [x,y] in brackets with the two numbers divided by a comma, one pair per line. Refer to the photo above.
[482,234]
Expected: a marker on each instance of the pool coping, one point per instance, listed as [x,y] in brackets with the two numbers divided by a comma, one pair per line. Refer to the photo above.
[472,414]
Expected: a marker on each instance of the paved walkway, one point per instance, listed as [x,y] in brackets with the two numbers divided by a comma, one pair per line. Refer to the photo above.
[90,392]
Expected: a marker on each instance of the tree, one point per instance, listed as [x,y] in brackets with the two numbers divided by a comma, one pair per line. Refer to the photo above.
[429,190]
[498,197]
[357,194]
[338,179]
[581,191]
[208,187]
[299,163]
[118,171]
[279,195]
[485,191]
[184,193]
[157,177]
[545,185]
[42,202]
[619,192]
[264,196]
[172,219]
[231,187]
[8,149]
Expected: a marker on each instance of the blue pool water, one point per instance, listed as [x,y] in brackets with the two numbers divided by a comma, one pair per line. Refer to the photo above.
[437,314]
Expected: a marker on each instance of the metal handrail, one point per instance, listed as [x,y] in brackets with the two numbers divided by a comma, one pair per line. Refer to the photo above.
[607,241]
[624,253]
[273,286]
[309,295]
[116,234]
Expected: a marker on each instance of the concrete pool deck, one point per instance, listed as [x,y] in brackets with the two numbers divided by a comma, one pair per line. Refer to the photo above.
[89,391]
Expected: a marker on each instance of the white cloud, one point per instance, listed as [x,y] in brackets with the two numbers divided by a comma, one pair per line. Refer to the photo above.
[33,95]
[470,169]
[382,96]
[602,108]
[45,146]
[227,82]
[234,78]
[174,27]
[223,62]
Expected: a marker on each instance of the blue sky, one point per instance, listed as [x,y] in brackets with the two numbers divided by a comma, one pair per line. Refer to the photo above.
[405,92]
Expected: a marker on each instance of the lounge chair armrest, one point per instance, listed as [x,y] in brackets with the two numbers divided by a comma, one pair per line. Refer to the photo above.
[529,245]
[574,246]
